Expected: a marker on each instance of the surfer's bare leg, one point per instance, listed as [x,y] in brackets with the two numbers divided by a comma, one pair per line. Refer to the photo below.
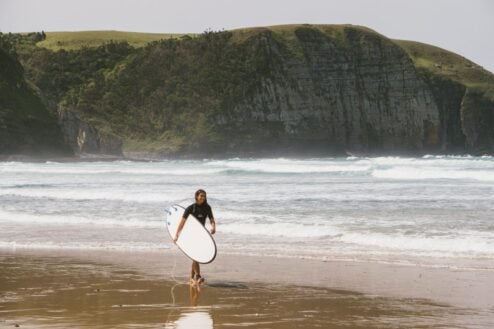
[195,269]
[193,275]
[196,273]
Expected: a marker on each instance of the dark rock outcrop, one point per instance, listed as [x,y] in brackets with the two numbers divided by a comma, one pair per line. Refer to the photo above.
[26,125]
[85,138]
[448,96]
[464,94]
[477,116]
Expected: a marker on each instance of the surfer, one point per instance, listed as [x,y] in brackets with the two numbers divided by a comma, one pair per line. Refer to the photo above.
[200,210]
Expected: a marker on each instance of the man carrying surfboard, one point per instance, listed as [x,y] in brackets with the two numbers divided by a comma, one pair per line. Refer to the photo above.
[200,210]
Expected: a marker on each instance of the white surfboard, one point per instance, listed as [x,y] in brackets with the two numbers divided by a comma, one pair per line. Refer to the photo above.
[195,240]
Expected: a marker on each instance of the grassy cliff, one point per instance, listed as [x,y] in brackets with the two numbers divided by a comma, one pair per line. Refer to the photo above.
[288,87]
[446,64]
[464,92]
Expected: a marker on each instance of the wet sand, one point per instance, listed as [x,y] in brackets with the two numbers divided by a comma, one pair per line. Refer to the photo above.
[117,289]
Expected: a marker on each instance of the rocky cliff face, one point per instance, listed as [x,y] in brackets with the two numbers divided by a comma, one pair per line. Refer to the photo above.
[448,96]
[85,138]
[283,90]
[358,93]
[464,94]
[477,117]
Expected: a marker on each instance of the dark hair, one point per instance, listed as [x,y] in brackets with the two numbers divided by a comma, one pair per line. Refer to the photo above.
[199,191]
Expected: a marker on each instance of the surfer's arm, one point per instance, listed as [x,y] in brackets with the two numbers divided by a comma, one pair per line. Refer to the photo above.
[213,225]
[179,228]
[211,220]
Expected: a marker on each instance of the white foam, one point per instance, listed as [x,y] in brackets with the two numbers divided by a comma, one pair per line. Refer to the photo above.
[280,230]
[472,245]
[428,167]
[86,193]
[290,166]
[418,173]
[112,168]
[436,160]
[43,219]
[85,245]
[466,246]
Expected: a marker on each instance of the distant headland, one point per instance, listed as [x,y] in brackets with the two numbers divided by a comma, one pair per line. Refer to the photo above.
[286,90]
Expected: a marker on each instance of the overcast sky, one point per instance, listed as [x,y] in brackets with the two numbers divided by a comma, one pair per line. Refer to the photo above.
[465,27]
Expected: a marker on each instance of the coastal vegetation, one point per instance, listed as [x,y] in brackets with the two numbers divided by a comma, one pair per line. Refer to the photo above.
[26,125]
[289,88]
[85,39]
[446,64]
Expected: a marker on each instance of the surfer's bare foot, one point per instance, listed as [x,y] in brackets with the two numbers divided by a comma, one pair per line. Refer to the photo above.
[199,279]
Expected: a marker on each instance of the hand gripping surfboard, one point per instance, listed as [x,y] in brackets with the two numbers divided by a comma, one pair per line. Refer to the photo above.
[195,241]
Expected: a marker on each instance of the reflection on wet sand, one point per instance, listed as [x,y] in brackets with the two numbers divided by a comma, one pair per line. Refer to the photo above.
[49,292]
[194,292]
[197,319]
[194,317]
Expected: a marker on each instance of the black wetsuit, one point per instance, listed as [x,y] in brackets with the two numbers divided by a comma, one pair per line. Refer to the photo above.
[199,211]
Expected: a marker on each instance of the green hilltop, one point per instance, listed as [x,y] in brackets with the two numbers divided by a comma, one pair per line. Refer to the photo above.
[77,40]
[441,62]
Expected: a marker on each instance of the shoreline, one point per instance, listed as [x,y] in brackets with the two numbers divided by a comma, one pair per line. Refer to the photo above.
[151,157]
[463,288]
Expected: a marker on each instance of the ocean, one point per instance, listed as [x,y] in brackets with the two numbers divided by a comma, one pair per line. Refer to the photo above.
[430,211]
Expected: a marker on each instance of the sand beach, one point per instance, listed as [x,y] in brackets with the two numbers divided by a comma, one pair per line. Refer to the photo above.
[100,289]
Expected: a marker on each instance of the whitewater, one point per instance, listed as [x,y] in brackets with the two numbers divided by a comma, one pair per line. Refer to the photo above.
[429,210]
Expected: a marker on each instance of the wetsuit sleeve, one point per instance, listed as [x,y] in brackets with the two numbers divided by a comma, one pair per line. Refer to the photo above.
[210,212]
[187,212]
